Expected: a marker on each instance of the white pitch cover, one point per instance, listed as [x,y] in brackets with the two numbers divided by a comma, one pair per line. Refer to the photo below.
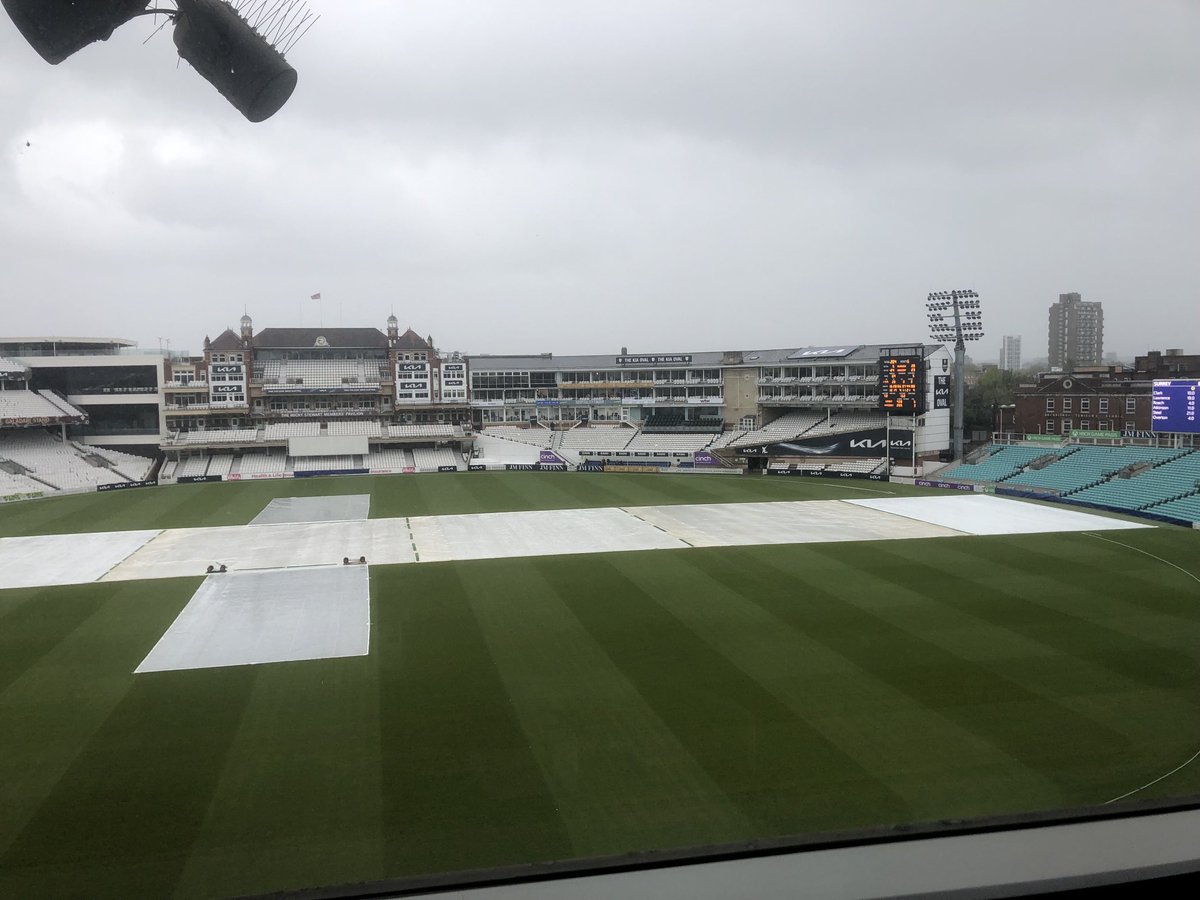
[337,508]
[250,618]
[65,558]
[989,514]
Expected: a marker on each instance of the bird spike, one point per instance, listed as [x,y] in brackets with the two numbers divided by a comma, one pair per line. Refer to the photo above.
[281,23]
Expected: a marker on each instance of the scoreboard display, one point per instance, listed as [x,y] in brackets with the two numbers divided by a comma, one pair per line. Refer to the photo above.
[1174,406]
[902,384]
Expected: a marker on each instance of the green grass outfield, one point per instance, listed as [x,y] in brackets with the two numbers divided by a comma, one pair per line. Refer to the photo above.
[534,709]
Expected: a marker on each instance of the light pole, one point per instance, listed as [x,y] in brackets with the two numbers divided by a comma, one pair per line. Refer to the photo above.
[955,315]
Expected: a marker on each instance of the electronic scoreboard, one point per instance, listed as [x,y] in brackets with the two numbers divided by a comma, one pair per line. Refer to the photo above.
[902,384]
[1174,406]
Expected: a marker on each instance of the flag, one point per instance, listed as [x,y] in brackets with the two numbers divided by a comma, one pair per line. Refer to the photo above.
[316,296]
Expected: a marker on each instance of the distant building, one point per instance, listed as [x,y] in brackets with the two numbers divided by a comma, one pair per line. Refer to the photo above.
[1076,332]
[1010,353]
[1111,399]
[1166,365]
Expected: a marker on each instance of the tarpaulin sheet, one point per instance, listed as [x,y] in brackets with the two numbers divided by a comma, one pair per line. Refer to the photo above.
[338,508]
[265,617]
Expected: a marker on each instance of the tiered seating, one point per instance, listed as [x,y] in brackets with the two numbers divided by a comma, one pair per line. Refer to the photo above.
[1087,466]
[1002,462]
[167,470]
[281,374]
[535,437]
[1161,484]
[19,484]
[220,436]
[269,463]
[61,465]
[220,464]
[133,467]
[424,431]
[867,466]
[27,404]
[428,459]
[388,458]
[788,426]
[729,437]
[317,463]
[669,442]
[597,438]
[370,429]
[841,422]
[196,465]
[1182,508]
[281,431]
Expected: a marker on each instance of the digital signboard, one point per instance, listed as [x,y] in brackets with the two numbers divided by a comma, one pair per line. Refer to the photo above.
[902,384]
[1174,406]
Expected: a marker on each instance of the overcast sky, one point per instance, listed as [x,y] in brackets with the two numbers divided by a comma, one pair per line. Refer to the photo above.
[548,175]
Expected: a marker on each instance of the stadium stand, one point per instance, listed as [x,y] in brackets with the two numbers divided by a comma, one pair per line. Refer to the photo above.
[727,439]
[1083,467]
[27,404]
[788,426]
[670,441]
[1155,488]
[267,463]
[281,431]
[369,428]
[535,437]
[279,375]
[220,464]
[331,463]
[428,459]
[219,436]
[57,465]
[424,431]
[597,438]
[388,458]
[999,463]
[133,467]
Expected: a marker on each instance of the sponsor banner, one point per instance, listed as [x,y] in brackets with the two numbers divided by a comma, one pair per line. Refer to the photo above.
[869,443]
[704,458]
[314,473]
[225,369]
[941,391]
[1044,438]
[623,453]
[227,388]
[585,452]
[604,453]
[952,485]
[411,367]
[196,479]
[631,468]
[549,456]
[536,467]
[413,386]
[821,473]
[640,453]
[593,465]
[1139,434]
[1085,433]
[678,359]
[121,485]
[447,468]
[30,495]
[660,453]
[476,467]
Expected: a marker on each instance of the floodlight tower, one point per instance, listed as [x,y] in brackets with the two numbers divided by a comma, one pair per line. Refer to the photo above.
[955,315]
